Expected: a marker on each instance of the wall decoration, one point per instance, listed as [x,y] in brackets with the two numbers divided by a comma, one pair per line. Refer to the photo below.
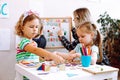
[51,27]
[5,39]
[4,10]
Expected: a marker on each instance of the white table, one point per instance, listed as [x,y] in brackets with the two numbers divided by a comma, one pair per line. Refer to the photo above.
[76,74]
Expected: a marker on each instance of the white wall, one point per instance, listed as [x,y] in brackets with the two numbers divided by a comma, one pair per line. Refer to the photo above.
[63,8]
[7,58]
[47,8]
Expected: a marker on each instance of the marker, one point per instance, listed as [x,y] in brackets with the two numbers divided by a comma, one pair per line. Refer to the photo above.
[89,51]
[85,52]
[81,51]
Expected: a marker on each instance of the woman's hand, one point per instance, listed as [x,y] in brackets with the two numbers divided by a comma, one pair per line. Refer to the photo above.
[60,32]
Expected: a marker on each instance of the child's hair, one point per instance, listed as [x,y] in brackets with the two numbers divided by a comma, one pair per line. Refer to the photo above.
[24,18]
[89,28]
[82,14]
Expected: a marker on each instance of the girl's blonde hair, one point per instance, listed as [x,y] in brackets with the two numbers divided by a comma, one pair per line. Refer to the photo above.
[89,28]
[82,14]
[23,20]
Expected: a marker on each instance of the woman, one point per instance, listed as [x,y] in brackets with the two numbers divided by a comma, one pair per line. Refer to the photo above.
[80,15]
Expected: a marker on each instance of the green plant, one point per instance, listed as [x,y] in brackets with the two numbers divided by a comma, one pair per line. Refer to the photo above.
[110,28]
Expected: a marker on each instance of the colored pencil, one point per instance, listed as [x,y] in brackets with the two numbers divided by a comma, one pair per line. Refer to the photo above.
[81,51]
[85,52]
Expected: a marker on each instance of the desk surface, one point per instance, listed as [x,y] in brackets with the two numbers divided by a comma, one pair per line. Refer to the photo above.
[71,73]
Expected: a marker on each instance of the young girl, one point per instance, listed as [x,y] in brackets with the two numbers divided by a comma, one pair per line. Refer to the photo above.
[40,39]
[89,37]
[27,28]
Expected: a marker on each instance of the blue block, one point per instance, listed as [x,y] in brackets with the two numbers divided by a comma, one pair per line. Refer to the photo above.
[39,68]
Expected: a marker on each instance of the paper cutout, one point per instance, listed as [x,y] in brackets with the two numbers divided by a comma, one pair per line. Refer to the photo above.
[5,39]
[71,74]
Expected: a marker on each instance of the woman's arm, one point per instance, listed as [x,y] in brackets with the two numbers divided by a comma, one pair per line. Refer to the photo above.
[67,44]
[74,34]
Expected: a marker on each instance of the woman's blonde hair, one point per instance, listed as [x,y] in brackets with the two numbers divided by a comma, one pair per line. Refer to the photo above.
[82,14]
[23,20]
[89,28]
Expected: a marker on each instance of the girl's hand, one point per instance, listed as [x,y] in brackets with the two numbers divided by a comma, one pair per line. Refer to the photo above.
[47,59]
[72,56]
[58,59]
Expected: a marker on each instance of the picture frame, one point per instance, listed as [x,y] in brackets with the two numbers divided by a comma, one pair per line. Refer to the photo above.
[51,25]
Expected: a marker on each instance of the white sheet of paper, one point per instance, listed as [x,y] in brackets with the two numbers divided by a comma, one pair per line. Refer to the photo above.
[5,39]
